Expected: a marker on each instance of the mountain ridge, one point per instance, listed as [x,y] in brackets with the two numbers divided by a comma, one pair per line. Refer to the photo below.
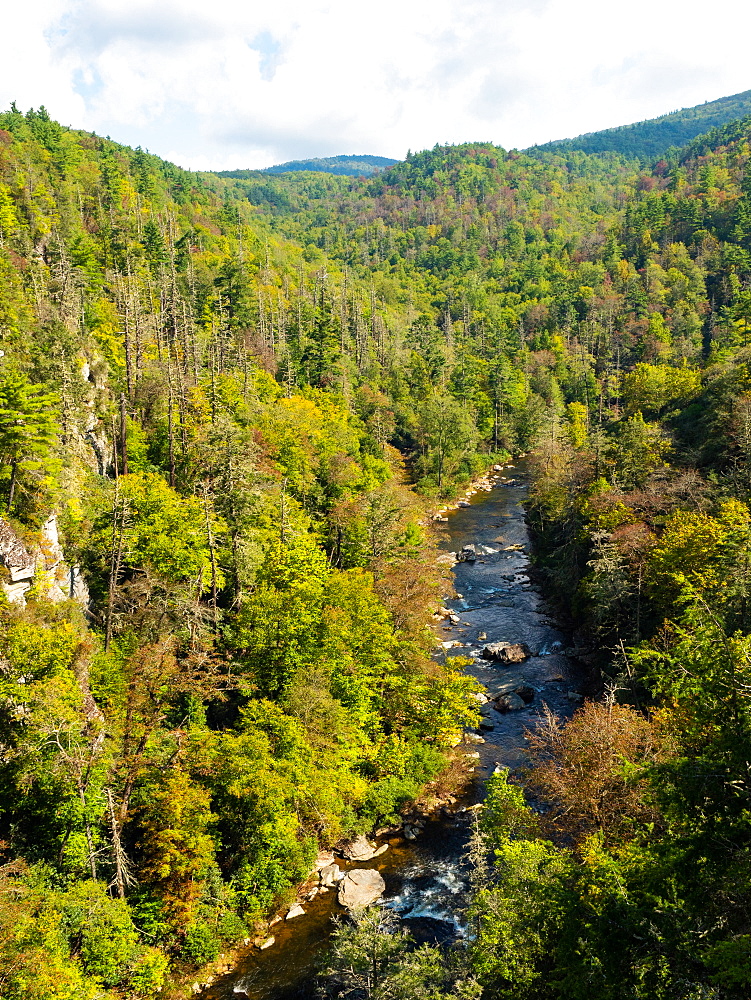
[655,136]
[648,139]
[344,164]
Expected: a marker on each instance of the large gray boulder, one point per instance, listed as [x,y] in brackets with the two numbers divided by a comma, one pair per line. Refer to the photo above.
[359,849]
[361,887]
[510,702]
[506,652]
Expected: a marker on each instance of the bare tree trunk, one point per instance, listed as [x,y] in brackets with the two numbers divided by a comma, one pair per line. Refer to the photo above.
[11,492]
[170,429]
[116,555]
[122,875]
[210,539]
[123,435]
[89,838]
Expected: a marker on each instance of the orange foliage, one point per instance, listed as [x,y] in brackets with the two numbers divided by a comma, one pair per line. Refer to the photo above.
[592,769]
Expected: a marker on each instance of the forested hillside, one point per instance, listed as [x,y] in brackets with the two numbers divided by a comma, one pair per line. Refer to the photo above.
[239,396]
[251,677]
[653,138]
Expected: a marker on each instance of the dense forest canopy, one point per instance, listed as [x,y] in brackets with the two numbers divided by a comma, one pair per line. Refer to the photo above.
[239,396]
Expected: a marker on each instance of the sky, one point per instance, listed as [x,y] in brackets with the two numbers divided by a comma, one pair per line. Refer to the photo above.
[220,84]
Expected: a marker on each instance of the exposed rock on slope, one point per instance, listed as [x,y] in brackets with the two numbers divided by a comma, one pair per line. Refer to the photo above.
[41,565]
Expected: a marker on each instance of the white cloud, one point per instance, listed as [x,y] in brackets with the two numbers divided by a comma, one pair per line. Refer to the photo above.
[229,84]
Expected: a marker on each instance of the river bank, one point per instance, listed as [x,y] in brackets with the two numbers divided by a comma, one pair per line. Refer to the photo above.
[426,878]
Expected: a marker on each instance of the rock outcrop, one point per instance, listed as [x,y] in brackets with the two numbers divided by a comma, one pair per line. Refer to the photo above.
[361,887]
[18,562]
[40,565]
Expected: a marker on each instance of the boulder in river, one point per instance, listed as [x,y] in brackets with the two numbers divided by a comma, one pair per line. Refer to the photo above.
[411,831]
[506,652]
[295,911]
[359,849]
[467,554]
[526,693]
[330,875]
[361,887]
[463,503]
[509,702]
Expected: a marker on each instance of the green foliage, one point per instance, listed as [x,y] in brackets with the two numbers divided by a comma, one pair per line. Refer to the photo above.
[173,839]
[372,957]
[200,944]
[27,432]
[653,387]
[164,532]
[103,932]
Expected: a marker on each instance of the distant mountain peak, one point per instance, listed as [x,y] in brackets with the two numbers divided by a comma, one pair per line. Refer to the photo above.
[346,164]
[349,164]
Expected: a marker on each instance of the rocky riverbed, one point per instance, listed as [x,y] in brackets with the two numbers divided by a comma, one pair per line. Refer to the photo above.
[523,661]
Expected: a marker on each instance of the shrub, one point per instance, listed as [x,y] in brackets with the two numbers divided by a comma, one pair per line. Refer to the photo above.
[200,944]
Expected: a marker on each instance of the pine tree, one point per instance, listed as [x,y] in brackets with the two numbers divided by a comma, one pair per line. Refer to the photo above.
[28,427]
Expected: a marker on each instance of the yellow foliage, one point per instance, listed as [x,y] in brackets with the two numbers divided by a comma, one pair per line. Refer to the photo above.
[652,387]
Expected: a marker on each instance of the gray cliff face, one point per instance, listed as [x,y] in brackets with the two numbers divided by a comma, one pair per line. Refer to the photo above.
[19,563]
[41,566]
[84,396]
[88,430]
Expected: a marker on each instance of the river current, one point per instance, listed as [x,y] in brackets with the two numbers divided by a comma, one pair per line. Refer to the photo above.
[426,879]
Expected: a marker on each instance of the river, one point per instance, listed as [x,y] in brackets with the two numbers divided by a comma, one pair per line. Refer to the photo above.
[426,878]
